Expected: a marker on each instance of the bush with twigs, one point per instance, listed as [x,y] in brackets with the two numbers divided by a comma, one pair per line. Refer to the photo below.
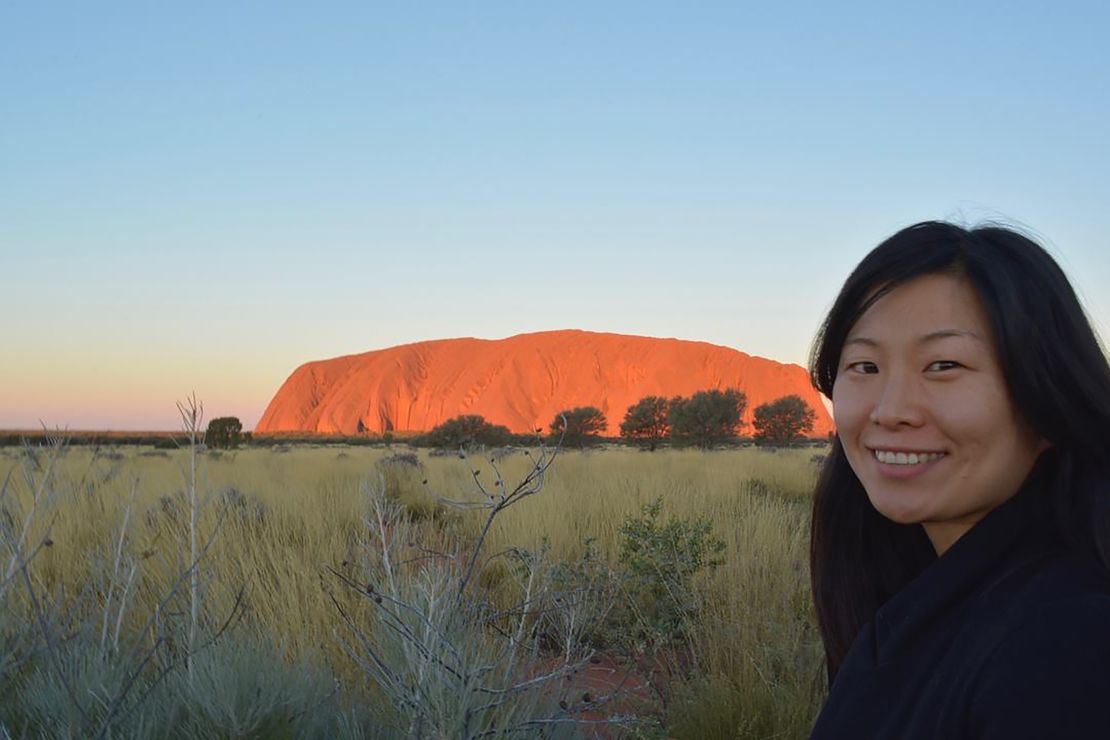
[450,661]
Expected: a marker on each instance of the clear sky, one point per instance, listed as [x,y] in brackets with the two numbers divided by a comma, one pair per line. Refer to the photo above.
[204,197]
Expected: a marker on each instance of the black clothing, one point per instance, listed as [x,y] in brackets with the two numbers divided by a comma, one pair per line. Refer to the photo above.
[1006,635]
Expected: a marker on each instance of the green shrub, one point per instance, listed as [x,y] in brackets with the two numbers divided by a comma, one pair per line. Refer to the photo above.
[661,560]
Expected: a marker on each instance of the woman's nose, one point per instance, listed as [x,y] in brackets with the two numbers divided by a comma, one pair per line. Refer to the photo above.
[898,404]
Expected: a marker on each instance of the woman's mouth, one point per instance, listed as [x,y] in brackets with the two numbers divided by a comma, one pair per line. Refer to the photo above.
[897,457]
[906,464]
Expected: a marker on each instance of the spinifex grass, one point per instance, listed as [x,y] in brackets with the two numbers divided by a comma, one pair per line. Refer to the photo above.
[285,517]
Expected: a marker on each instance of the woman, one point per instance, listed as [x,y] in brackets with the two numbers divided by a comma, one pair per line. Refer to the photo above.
[961,534]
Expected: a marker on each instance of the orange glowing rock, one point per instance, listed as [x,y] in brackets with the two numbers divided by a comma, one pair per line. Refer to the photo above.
[521,382]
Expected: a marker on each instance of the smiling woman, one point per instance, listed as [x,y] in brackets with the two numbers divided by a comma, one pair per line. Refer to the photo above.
[924,414]
[960,527]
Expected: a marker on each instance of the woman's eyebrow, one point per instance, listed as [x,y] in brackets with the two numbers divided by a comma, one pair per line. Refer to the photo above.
[932,336]
[949,333]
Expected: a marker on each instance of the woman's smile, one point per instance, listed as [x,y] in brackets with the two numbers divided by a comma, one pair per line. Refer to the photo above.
[901,457]
[902,464]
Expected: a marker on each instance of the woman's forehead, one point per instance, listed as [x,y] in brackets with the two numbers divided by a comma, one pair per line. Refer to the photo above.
[930,307]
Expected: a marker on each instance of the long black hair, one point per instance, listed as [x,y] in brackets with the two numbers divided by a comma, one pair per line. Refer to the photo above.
[1058,379]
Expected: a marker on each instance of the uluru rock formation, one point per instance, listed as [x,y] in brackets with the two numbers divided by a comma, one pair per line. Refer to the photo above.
[521,382]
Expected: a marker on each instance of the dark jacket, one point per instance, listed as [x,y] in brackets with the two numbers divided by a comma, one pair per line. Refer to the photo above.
[1006,635]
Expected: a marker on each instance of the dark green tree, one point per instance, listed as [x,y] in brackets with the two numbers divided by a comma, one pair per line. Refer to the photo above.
[782,421]
[583,425]
[647,421]
[468,431]
[707,417]
[224,432]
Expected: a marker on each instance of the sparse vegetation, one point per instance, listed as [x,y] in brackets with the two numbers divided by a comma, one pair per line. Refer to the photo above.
[648,421]
[783,421]
[579,426]
[662,560]
[466,432]
[288,543]
[224,432]
[707,417]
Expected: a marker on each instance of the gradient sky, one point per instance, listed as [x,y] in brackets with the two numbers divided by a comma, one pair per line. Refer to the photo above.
[203,198]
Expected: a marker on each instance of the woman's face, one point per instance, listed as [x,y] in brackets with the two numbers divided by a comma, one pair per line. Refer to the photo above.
[923,411]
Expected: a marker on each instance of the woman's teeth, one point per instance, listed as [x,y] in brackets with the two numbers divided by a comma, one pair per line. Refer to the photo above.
[906,458]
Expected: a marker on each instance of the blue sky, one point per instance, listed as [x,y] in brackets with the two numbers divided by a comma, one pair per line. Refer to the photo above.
[203,198]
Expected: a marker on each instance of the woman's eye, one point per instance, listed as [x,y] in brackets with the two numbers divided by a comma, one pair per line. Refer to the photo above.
[864,367]
[941,365]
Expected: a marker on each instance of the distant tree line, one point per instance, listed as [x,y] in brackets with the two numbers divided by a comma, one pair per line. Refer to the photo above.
[92,439]
[705,419]
[714,417]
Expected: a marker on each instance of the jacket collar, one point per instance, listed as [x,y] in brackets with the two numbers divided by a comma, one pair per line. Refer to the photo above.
[963,570]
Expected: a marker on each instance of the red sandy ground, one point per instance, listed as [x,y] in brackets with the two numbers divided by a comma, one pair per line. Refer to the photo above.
[605,689]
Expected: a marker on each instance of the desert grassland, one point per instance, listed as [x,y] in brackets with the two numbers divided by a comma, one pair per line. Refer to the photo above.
[287,516]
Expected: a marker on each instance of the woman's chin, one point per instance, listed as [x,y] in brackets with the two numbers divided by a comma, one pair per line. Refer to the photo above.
[899,510]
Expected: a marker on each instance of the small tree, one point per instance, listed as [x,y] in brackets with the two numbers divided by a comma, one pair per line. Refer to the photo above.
[707,417]
[647,421]
[782,421]
[468,431]
[583,424]
[224,432]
